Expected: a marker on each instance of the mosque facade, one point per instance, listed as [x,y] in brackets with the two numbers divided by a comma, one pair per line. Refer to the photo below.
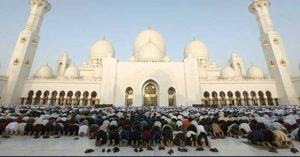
[149,77]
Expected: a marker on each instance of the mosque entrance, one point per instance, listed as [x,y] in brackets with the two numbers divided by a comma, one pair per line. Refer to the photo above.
[129,97]
[172,96]
[150,93]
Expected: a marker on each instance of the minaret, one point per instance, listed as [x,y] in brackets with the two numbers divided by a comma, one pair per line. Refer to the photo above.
[23,55]
[62,64]
[275,56]
[237,65]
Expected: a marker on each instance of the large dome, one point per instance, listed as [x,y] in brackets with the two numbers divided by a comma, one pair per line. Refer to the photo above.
[255,73]
[144,37]
[102,49]
[45,72]
[150,52]
[227,73]
[196,49]
[72,72]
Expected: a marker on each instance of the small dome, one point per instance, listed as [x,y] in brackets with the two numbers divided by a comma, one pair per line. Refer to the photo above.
[144,37]
[196,49]
[202,73]
[97,73]
[150,52]
[227,73]
[72,72]
[255,73]
[102,49]
[45,72]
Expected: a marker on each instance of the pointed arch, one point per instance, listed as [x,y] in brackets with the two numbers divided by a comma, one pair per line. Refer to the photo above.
[150,90]
[128,97]
[172,96]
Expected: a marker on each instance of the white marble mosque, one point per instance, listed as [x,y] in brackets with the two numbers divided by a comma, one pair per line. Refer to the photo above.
[149,77]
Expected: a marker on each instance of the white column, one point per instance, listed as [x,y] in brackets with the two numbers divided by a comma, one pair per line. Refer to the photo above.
[23,55]
[274,53]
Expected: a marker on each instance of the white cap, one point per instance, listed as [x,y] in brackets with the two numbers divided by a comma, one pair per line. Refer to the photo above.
[179,123]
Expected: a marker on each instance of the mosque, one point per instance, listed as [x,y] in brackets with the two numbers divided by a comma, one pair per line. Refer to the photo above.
[149,77]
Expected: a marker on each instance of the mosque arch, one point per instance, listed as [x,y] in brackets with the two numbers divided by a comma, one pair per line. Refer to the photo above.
[53,98]
[45,97]
[128,97]
[61,98]
[215,100]
[93,98]
[254,99]
[172,96]
[85,98]
[269,98]
[222,98]
[69,98]
[206,98]
[238,98]
[262,100]
[29,97]
[77,98]
[230,98]
[150,93]
[37,98]
[246,98]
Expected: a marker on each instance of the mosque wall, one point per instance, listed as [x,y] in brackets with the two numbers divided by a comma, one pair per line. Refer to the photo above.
[3,81]
[108,80]
[191,74]
[86,73]
[239,86]
[61,85]
[213,74]
[164,74]
[296,81]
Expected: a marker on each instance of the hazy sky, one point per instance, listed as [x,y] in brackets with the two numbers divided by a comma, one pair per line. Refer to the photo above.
[225,26]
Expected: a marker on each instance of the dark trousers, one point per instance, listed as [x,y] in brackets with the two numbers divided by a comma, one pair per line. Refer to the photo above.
[101,137]
[199,138]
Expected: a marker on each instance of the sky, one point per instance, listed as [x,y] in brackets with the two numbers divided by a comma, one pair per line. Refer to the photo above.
[225,26]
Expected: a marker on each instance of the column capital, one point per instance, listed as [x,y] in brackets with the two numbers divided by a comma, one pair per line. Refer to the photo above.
[258,4]
[40,4]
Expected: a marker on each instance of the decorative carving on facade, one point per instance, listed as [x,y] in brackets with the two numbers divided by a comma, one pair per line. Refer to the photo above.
[23,40]
[27,63]
[265,42]
[34,42]
[283,62]
[271,65]
[276,40]
[258,6]
[16,61]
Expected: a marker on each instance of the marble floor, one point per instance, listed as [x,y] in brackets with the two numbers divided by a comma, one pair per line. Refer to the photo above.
[66,146]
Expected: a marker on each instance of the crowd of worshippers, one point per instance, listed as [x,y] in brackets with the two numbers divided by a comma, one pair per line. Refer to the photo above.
[144,127]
